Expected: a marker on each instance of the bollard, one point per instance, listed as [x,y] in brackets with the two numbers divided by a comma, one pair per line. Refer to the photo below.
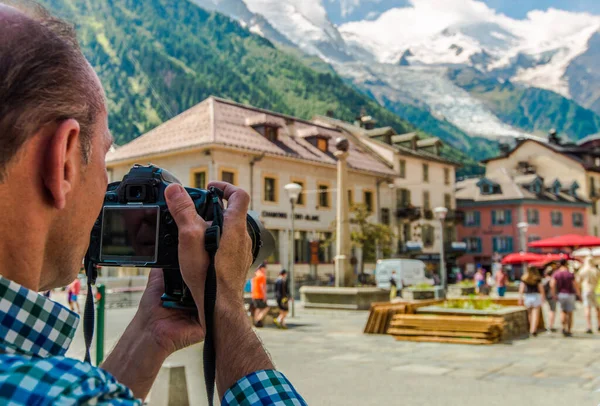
[100,306]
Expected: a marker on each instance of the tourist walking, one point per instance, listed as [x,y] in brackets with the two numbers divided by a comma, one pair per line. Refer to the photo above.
[395,287]
[549,298]
[565,290]
[531,295]
[282,295]
[480,281]
[588,277]
[501,281]
[72,294]
[259,295]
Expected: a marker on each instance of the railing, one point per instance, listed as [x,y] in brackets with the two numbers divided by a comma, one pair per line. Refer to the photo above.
[408,213]
[456,216]
[428,214]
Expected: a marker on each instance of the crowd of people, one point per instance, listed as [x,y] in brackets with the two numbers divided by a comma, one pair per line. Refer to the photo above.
[556,284]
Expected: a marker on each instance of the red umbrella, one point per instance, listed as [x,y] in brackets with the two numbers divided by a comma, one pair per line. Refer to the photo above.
[547,258]
[521,257]
[569,240]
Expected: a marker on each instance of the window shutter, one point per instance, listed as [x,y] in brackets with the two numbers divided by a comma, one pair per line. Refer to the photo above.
[507,216]
[494,244]
[493,217]
[479,245]
[465,220]
[510,244]
[477,218]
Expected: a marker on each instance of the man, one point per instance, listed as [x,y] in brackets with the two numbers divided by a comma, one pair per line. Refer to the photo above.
[501,280]
[395,287]
[53,141]
[282,294]
[588,278]
[259,295]
[73,294]
[565,290]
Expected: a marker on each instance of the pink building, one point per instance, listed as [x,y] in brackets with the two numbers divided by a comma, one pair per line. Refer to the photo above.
[494,205]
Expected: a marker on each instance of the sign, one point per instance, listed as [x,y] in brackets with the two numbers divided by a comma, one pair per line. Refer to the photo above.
[490,231]
[283,215]
[314,252]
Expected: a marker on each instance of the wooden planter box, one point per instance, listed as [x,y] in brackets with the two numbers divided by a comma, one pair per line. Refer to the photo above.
[514,318]
[457,290]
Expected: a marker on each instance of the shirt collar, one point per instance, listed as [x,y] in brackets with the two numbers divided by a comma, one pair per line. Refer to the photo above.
[32,324]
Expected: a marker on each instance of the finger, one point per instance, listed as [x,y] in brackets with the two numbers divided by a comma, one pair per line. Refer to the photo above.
[156,274]
[181,206]
[237,198]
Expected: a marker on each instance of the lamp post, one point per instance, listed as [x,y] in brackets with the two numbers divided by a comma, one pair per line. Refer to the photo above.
[293,191]
[440,214]
[523,227]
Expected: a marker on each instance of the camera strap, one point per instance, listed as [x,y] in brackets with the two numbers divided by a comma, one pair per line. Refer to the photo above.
[88,310]
[212,238]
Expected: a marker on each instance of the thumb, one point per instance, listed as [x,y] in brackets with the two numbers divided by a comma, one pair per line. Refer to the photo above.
[181,206]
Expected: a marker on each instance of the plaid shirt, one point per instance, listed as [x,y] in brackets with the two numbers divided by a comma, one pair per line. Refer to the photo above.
[36,332]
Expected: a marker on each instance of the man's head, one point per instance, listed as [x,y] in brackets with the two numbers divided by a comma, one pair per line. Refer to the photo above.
[53,142]
[262,268]
[283,273]
[563,263]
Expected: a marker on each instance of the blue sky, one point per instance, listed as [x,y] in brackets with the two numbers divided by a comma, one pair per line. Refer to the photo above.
[512,8]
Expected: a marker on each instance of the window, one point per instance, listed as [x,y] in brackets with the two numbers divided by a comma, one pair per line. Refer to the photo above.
[592,187]
[532,238]
[322,144]
[426,202]
[271,133]
[368,199]
[301,247]
[402,198]
[596,231]
[385,216]
[425,173]
[446,176]
[427,235]
[473,244]
[448,201]
[472,219]
[577,220]
[325,250]
[350,197]
[533,216]
[502,244]
[406,232]
[449,234]
[301,199]
[595,207]
[228,176]
[274,257]
[556,218]
[198,179]
[403,169]
[270,189]
[323,196]
[501,217]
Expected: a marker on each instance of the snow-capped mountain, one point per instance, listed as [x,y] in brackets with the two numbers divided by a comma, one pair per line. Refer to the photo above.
[400,50]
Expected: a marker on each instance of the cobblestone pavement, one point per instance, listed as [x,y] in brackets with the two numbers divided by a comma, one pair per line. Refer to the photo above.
[331,362]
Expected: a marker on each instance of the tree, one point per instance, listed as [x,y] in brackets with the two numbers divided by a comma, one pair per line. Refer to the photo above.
[368,236]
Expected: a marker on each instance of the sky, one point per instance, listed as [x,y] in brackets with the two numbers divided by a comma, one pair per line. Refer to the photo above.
[340,11]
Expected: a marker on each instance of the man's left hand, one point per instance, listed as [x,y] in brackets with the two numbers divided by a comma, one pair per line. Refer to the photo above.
[172,329]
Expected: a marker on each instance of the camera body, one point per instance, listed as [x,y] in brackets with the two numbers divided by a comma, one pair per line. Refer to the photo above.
[136,229]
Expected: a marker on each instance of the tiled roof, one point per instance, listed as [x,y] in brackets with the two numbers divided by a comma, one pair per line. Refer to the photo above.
[359,133]
[222,122]
[510,188]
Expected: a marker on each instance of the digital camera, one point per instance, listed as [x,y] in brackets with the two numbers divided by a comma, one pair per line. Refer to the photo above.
[135,229]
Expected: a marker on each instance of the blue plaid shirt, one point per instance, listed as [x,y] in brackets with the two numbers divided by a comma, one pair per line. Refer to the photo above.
[36,332]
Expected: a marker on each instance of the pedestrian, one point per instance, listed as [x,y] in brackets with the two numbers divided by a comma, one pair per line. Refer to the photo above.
[588,278]
[565,290]
[259,295]
[394,286]
[501,280]
[282,294]
[72,294]
[531,295]
[549,298]
[480,280]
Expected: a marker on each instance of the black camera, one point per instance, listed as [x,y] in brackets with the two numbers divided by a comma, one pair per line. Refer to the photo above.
[135,229]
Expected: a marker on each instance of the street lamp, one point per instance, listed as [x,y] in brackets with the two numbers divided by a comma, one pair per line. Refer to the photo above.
[293,191]
[440,214]
[523,227]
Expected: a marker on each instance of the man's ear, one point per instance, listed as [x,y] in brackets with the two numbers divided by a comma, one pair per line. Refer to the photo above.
[62,161]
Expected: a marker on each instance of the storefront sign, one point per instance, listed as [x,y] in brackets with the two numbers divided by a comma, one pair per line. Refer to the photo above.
[283,215]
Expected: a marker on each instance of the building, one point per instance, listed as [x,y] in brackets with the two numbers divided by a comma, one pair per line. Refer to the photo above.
[424,180]
[554,160]
[262,151]
[495,204]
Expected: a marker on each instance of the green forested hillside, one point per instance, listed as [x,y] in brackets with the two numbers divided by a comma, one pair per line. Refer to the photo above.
[157,58]
[532,109]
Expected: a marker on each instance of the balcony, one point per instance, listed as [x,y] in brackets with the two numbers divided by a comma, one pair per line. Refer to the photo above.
[408,213]
[428,214]
[456,216]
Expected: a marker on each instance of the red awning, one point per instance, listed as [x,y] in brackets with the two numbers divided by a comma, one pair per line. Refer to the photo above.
[521,257]
[569,240]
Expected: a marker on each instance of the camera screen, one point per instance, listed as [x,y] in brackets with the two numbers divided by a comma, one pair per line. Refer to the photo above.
[129,234]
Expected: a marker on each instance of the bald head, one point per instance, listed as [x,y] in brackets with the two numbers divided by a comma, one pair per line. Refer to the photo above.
[44,79]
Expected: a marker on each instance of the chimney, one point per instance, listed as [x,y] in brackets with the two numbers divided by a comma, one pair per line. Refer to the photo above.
[553,137]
